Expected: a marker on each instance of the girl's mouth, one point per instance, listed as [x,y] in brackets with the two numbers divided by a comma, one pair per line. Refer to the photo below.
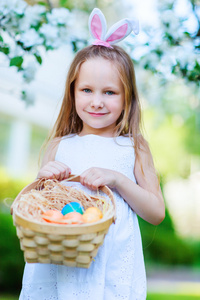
[93,114]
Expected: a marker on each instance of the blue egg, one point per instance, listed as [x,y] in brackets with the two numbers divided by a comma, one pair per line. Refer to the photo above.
[71,207]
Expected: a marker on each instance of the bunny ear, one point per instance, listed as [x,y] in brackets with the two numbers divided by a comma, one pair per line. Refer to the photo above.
[121,29]
[97,24]
[134,24]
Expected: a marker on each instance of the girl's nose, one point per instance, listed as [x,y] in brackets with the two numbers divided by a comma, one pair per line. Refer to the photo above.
[97,101]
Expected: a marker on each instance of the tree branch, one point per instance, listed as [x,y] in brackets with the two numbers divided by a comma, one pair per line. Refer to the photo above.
[50,5]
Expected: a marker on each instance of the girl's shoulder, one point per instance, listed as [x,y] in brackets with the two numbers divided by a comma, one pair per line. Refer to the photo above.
[125,140]
[71,135]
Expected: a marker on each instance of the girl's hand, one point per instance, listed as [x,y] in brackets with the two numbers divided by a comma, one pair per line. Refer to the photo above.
[95,177]
[54,170]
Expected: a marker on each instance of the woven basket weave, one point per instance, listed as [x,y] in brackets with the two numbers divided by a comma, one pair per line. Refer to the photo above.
[70,245]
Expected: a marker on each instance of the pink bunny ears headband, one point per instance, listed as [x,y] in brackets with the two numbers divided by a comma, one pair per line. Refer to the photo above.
[118,32]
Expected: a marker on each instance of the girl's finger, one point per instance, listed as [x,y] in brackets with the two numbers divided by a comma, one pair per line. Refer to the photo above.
[54,170]
[65,174]
[45,174]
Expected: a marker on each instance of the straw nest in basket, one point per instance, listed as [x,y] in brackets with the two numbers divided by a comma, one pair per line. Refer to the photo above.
[68,244]
[53,195]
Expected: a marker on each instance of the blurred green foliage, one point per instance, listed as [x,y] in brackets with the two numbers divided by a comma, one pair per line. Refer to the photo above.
[192,133]
[8,297]
[84,5]
[12,261]
[171,297]
[9,189]
[162,245]
[173,142]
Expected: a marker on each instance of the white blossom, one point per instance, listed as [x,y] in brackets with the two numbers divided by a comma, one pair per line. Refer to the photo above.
[58,16]
[165,4]
[5,7]
[191,24]
[64,35]
[30,67]
[169,59]
[182,8]
[172,24]
[165,65]
[17,6]
[50,34]
[198,11]
[186,56]
[17,51]
[78,29]
[10,22]
[30,38]
[32,17]
[151,59]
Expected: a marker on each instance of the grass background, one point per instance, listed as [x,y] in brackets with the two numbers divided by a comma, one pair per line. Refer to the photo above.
[150,296]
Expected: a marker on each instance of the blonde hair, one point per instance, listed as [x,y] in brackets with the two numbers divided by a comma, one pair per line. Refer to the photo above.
[68,121]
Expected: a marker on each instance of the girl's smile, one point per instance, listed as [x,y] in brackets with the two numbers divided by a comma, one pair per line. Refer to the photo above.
[96,114]
[99,96]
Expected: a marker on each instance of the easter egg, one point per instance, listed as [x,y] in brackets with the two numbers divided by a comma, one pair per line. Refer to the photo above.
[52,216]
[72,207]
[73,218]
[92,214]
[95,211]
[90,218]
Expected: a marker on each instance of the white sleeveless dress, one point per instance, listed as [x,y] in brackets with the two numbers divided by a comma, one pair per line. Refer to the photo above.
[118,271]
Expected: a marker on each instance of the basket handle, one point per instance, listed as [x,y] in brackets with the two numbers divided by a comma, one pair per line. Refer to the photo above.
[75,178]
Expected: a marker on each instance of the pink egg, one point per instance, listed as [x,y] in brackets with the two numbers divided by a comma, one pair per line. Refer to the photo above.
[52,216]
[73,218]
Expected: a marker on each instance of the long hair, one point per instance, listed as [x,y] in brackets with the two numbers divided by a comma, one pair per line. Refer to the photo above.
[129,123]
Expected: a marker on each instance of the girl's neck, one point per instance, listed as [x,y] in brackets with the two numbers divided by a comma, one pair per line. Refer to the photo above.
[97,132]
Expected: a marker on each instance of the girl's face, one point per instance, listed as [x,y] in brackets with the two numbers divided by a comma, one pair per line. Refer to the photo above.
[99,96]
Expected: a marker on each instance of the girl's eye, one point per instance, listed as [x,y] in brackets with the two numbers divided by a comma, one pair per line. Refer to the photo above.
[109,93]
[87,90]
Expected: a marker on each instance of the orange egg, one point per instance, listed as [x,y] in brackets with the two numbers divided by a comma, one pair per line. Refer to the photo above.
[95,211]
[90,218]
[73,218]
[52,216]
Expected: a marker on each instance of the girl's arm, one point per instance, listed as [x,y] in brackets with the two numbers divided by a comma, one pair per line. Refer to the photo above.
[51,168]
[145,197]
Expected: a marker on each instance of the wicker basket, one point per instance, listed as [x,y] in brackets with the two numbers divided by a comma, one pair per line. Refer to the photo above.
[70,245]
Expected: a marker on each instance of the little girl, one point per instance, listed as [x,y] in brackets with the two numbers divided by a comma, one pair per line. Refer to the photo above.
[97,136]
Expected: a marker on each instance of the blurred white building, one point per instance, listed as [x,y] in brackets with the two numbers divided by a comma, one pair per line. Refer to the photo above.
[20,119]
[182,197]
